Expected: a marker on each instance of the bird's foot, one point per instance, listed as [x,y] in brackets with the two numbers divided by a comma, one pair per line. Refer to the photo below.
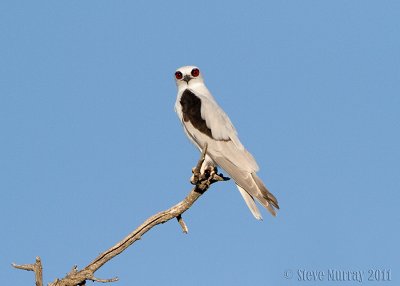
[210,171]
[210,174]
[204,174]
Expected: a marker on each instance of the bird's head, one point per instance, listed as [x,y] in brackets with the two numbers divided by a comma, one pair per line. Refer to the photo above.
[188,76]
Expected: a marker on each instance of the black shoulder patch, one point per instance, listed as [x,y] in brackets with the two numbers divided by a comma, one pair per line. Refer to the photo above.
[191,110]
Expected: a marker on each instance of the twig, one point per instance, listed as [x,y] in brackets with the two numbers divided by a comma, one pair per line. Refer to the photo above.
[104,280]
[182,224]
[203,182]
[196,170]
[35,267]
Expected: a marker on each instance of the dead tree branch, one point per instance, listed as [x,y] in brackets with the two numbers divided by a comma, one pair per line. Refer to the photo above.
[35,267]
[79,277]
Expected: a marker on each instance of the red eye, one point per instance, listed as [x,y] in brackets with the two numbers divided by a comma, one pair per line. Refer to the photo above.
[178,75]
[195,72]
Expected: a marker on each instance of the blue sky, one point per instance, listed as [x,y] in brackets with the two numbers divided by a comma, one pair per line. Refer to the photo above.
[90,145]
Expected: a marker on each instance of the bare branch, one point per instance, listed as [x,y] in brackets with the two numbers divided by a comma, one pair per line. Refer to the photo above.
[35,267]
[183,224]
[115,279]
[79,277]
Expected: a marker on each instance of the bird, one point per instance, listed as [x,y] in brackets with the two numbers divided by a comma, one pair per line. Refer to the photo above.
[205,122]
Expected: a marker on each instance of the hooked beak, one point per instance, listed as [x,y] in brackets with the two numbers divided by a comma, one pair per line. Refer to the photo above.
[187,78]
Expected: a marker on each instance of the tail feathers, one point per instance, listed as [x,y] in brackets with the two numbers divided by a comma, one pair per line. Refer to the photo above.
[267,195]
[250,203]
[258,191]
[266,203]
[250,186]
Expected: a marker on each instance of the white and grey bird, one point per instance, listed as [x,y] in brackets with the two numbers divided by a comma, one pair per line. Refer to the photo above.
[204,121]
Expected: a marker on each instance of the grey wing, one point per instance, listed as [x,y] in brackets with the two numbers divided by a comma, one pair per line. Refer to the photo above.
[223,131]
